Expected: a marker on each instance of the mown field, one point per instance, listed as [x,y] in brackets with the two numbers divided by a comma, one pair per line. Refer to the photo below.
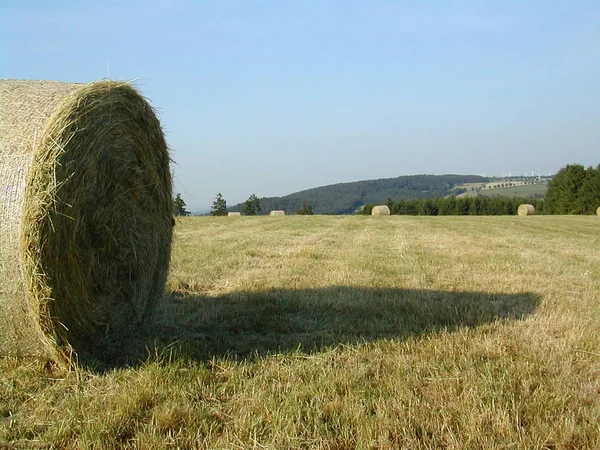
[527,190]
[524,190]
[327,332]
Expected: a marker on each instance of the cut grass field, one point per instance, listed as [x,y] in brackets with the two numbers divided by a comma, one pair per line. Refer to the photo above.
[522,190]
[344,332]
[528,190]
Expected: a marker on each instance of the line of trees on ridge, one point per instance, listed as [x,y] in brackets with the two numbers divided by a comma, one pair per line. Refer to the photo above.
[453,206]
[573,190]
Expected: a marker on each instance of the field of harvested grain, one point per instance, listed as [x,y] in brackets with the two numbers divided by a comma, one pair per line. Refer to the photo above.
[343,332]
[528,190]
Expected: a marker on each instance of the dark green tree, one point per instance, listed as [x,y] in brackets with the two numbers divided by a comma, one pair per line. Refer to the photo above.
[179,206]
[461,207]
[562,196]
[305,210]
[219,206]
[428,207]
[252,206]
[366,209]
[588,200]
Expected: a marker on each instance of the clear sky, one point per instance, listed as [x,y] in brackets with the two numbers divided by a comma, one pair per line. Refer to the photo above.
[275,96]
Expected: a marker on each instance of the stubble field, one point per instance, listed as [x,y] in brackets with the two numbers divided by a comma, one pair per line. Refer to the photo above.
[344,332]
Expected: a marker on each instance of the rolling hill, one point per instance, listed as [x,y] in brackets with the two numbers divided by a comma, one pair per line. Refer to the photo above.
[346,198]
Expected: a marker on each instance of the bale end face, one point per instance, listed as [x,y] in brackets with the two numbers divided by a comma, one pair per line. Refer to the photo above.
[96,224]
[526,210]
[381,210]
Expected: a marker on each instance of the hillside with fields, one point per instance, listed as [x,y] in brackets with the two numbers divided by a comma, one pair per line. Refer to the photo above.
[346,198]
[503,188]
[343,332]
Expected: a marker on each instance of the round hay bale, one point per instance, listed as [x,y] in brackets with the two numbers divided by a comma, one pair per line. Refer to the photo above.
[277,213]
[381,210]
[234,214]
[526,210]
[85,215]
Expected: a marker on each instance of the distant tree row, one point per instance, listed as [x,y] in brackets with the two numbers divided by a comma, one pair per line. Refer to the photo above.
[574,190]
[251,207]
[346,198]
[452,206]
[219,207]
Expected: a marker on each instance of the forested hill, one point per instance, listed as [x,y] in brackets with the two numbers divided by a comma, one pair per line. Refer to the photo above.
[345,198]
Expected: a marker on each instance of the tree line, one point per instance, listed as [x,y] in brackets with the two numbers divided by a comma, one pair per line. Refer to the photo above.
[573,190]
[252,207]
[454,206]
[346,198]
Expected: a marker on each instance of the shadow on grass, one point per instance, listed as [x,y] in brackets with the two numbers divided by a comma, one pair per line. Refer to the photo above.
[247,325]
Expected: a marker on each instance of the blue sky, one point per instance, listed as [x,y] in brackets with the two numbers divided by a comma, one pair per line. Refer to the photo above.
[271,97]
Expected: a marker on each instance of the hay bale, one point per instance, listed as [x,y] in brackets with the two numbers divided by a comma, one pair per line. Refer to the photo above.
[381,210]
[526,210]
[598,211]
[277,212]
[234,214]
[85,215]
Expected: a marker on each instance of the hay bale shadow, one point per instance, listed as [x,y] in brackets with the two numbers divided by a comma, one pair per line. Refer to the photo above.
[249,325]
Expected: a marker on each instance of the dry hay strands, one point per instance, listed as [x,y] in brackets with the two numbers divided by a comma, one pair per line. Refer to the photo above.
[526,210]
[234,214]
[85,215]
[381,210]
[277,212]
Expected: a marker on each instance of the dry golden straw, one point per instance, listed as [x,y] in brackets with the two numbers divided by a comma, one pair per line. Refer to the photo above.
[526,210]
[85,215]
[381,210]
[277,212]
[233,214]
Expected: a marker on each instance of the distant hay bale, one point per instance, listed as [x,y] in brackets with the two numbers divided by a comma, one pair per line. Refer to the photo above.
[381,210]
[234,214]
[85,215]
[598,211]
[277,213]
[526,210]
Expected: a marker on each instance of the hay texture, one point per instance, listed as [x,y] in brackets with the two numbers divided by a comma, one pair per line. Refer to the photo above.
[526,210]
[277,213]
[234,214]
[85,215]
[381,210]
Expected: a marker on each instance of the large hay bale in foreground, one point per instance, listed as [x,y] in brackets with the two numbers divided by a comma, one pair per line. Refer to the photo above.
[381,210]
[85,215]
[526,210]
[277,213]
[234,214]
